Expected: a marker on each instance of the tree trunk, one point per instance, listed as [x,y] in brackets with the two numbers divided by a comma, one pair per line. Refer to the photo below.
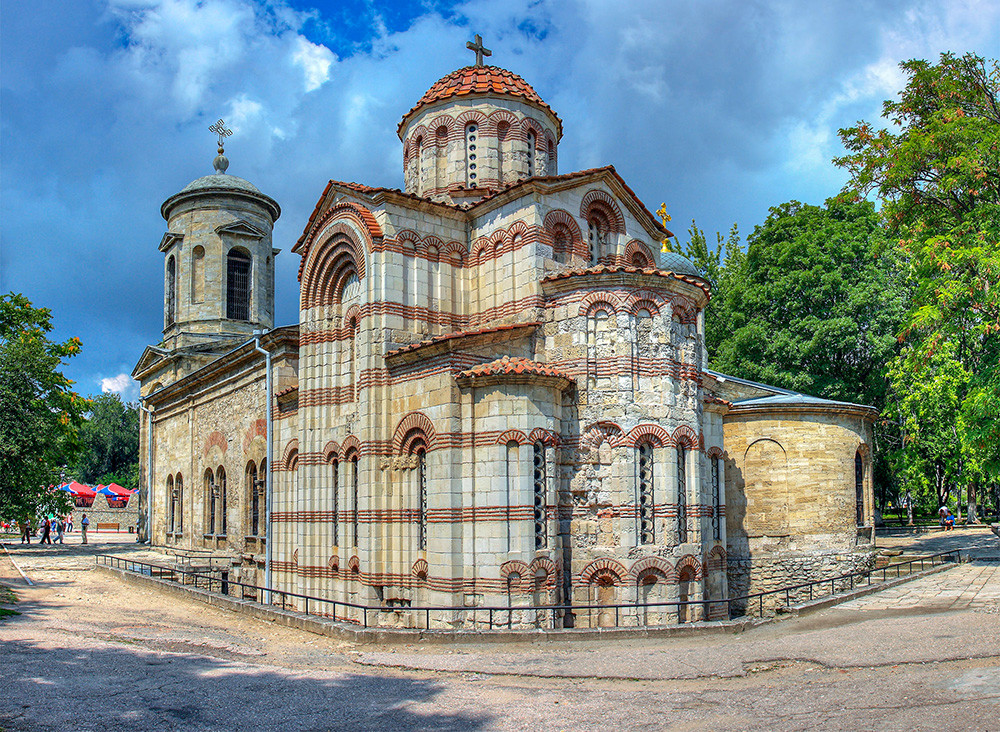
[970,508]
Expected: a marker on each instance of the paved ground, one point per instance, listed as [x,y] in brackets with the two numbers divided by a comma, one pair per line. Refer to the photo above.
[91,653]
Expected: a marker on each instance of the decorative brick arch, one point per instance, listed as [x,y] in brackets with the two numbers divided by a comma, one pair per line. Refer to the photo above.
[492,125]
[603,568]
[514,566]
[443,120]
[363,220]
[531,125]
[637,249]
[685,435]
[333,563]
[689,562]
[429,243]
[481,248]
[453,247]
[216,439]
[601,201]
[714,452]
[717,560]
[329,264]
[643,299]
[518,228]
[353,313]
[351,446]
[646,565]
[414,421]
[290,453]
[546,437]
[559,220]
[419,570]
[603,431]
[354,564]
[512,436]
[257,429]
[543,564]
[592,301]
[469,117]
[653,433]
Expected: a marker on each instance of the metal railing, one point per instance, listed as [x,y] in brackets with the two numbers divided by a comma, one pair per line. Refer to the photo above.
[635,614]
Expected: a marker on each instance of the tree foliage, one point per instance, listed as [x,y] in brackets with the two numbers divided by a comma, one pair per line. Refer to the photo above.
[109,443]
[936,171]
[40,415]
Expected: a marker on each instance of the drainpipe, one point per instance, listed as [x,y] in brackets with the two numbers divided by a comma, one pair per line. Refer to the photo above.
[149,474]
[269,538]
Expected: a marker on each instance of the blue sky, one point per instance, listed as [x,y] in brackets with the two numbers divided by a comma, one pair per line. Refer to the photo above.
[720,108]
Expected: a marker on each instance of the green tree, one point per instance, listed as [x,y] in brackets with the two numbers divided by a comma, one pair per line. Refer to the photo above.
[40,415]
[936,171]
[815,304]
[109,443]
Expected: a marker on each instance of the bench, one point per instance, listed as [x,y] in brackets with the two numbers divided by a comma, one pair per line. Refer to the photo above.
[107,527]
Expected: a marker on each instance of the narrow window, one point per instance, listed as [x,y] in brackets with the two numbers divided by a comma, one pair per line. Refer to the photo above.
[171,291]
[512,482]
[262,489]
[353,360]
[171,503]
[422,498]
[682,529]
[716,501]
[210,502]
[220,481]
[540,508]
[354,493]
[238,285]
[646,528]
[419,157]
[180,503]
[470,155]
[503,129]
[441,158]
[336,502]
[531,154]
[254,495]
[859,487]
[198,274]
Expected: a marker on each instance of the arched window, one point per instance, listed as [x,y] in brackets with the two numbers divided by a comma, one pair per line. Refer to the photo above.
[420,450]
[179,492]
[198,274]
[716,499]
[419,157]
[599,337]
[210,499]
[682,518]
[597,237]
[513,475]
[238,285]
[262,492]
[354,497]
[171,505]
[540,507]
[220,482]
[532,143]
[859,487]
[352,358]
[645,498]
[335,465]
[503,132]
[441,158]
[562,242]
[471,133]
[253,499]
[171,290]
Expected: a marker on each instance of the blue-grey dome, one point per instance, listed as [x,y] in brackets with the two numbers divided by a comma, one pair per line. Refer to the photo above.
[221,181]
[678,264]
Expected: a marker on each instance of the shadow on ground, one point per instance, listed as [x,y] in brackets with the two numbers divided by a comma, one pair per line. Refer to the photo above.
[132,689]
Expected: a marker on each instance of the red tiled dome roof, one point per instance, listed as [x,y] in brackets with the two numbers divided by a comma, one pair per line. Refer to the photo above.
[513,366]
[480,80]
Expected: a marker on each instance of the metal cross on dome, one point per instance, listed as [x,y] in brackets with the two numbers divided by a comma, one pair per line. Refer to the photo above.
[479,48]
[219,128]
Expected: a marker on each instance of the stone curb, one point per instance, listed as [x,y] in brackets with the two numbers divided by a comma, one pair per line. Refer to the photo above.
[322,626]
[830,600]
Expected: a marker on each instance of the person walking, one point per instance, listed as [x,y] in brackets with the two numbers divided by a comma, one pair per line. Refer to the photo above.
[26,532]
[60,528]
[46,532]
[69,524]
[84,523]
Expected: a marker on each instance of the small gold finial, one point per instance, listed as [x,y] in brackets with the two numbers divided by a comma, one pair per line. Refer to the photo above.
[664,217]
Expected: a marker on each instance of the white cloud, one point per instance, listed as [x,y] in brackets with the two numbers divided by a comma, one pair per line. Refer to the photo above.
[315,62]
[123,384]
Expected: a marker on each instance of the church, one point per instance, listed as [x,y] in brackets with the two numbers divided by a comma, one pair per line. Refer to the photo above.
[496,396]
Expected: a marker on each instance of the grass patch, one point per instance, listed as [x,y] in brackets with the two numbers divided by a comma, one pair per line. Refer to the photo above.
[6,611]
[7,597]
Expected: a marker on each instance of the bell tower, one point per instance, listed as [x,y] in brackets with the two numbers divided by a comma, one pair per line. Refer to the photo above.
[218,259]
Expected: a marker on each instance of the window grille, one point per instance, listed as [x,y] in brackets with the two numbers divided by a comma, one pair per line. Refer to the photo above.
[180,503]
[210,491]
[541,528]
[646,526]
[238,285]
[716,501]
[422,498]
[354,492]
[531,154]
[171,291]
[682,530]
[470,154]
[221,479]
[336,507]
[254,499]
[172,501]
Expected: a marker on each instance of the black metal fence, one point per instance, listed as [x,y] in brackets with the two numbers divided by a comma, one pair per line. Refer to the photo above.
[615,615]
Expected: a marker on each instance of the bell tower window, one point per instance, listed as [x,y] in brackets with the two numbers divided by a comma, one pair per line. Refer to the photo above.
[531,154]
[238,264]
[171,291]
[471,133]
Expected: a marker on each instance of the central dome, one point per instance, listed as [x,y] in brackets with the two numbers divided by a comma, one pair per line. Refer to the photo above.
[480,80]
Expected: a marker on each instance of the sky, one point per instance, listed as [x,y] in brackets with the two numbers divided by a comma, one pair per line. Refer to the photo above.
[719,108]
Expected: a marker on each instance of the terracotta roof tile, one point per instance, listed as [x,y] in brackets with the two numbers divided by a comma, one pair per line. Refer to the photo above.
[508,366]
[622,269]
[480,80]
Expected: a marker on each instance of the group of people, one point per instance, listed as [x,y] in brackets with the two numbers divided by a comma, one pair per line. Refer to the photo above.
[54,526]
[947,518]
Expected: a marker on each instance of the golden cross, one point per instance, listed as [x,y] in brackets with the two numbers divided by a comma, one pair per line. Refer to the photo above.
[479,48]
[219,128]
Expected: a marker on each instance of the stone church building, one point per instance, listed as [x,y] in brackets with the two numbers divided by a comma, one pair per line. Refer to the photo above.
[496,395]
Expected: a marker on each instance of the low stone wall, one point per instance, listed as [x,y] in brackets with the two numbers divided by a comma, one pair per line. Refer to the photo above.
[100,512]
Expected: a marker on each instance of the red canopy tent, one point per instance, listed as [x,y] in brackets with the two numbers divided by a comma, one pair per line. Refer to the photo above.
[80,490]
[119,490]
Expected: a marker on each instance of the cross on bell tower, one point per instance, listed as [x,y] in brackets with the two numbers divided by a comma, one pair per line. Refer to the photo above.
[479,48]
